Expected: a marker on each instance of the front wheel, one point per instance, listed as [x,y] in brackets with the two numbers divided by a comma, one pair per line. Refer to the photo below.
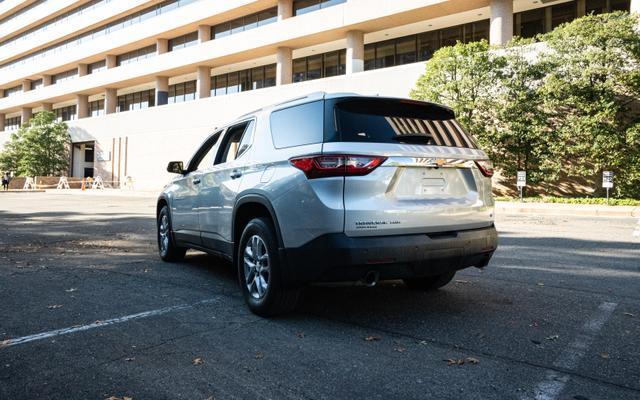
[166,245]
[430,283]
[260,272]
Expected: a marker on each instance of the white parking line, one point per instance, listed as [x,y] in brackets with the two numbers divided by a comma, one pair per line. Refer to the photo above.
[554,382]
[99,324]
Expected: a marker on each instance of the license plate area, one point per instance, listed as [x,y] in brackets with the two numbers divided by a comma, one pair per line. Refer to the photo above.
[428,182]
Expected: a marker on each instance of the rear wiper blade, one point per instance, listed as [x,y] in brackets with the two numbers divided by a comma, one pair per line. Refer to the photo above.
[413,138]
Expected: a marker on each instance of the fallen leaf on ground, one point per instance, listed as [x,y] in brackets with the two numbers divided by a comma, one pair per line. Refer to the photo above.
[300,334]
[197,361]
[461,281]
[400,349]
[259,356]
[5,343]
[535,341]
[54,306]
[461,361]
[71,290]
[540,284]
[534,324]
[628,314]
[552,337]
[371,338]
[147,270]
[130,359]
[604,355]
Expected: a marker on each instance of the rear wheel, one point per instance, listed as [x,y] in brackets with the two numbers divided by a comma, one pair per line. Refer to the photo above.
[260,272]
[430,283]
[166,245]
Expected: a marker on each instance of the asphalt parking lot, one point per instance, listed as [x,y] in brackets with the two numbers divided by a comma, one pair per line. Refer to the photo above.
[88,311]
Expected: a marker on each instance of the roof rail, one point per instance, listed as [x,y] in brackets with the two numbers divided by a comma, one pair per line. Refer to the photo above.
[313,94]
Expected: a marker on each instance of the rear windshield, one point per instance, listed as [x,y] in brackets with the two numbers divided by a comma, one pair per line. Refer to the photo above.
[393,121]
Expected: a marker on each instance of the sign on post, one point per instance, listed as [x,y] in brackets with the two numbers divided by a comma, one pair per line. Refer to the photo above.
[521,181]
[607,181]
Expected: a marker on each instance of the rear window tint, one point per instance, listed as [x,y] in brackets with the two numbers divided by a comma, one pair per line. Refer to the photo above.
[298,125]
[395,121]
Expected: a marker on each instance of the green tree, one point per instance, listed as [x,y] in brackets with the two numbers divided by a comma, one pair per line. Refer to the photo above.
[497,96]
[566,101]
[593,93]
[460,77]
[39,148]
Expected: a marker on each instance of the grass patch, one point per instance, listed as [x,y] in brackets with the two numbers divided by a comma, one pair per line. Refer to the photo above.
[573,200]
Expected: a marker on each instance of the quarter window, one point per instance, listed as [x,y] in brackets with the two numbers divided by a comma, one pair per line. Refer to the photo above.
[297,125]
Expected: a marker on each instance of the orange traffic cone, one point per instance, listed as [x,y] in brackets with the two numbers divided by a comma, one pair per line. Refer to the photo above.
[83,186]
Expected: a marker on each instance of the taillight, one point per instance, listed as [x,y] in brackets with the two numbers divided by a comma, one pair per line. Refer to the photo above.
[486,167]
[336,165]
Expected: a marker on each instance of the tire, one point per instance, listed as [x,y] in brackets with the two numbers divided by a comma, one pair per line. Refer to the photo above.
[260,274]
[166,244]
[430,283]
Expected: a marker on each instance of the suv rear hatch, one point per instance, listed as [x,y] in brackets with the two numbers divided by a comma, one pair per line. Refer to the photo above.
[410,167]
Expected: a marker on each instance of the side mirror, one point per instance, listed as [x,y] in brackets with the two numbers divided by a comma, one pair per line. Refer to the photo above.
[175,167]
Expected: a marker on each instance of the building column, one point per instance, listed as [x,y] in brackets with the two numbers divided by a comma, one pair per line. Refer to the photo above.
[110,100]
[111,61]
[162,46]
[26,85]
[46,80]
[1,93]
[204,33]
[635,6]
[284,66]
[83,69]
[162,90]
[27,113]
[501,30]
[2,122]
[203,83]
[47,106]
[82,106]
[355,52]
[285,9]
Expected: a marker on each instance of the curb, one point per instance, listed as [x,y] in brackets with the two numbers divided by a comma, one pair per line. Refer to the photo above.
[585,210]
[23,191]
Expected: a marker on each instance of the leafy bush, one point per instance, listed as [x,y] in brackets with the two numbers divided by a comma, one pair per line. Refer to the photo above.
[574,200]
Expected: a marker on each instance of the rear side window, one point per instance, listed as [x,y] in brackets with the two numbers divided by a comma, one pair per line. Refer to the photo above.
[298,125]
[393,121]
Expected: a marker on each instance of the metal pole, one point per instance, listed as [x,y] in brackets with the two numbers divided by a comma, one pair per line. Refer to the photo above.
[520,187]
[607,195]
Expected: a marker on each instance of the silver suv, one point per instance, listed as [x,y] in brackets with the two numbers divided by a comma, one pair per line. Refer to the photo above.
[333,187]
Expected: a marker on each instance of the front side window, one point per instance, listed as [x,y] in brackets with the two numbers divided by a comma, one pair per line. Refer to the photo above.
[206,154]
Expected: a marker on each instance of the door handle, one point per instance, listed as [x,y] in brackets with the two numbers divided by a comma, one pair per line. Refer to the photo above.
[235,174]
[196,181]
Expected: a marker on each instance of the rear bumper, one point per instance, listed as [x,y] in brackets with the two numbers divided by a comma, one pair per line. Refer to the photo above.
[337,257]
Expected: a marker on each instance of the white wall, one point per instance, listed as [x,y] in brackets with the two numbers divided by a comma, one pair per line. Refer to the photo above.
[173,132]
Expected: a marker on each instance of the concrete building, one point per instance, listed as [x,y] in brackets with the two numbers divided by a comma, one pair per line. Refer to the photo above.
[143,82]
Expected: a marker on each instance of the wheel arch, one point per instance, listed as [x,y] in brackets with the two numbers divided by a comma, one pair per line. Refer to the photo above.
[248,207]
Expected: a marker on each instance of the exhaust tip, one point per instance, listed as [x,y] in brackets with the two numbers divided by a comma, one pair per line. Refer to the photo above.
[371,278]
